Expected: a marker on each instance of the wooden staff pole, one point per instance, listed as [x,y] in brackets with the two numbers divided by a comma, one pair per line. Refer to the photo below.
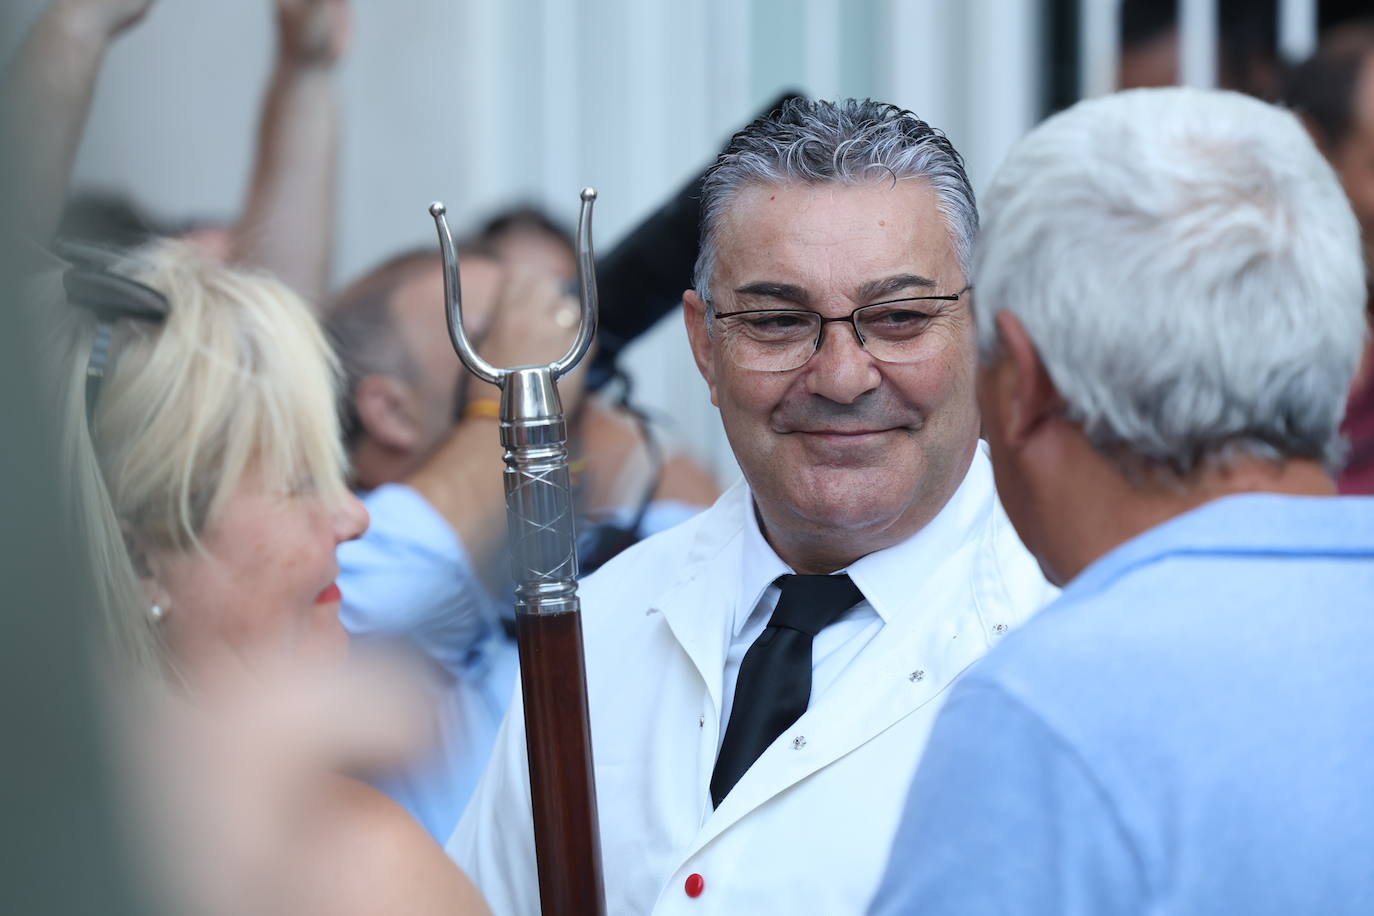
[539,512]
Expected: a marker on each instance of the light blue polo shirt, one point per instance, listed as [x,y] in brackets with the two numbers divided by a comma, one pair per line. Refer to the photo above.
[1188,729]
[409,577]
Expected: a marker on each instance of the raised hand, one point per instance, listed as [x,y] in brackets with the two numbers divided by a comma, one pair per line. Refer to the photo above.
[313,31]
[534,321]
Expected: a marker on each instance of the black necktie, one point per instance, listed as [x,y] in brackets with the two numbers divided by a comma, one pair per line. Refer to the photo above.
[774,684]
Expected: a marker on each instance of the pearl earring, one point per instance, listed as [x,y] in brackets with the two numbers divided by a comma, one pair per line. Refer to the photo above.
[156,613]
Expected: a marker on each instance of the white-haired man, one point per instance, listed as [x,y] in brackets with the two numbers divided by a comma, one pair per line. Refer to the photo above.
[1170,308]
[763,677]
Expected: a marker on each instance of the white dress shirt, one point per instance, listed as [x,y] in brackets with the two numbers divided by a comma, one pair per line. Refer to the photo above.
[832,649]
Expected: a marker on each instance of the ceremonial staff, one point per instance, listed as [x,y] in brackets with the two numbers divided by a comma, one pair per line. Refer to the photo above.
[539,513]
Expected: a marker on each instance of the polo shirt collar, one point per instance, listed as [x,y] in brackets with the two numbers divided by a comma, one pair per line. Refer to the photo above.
[1246,523]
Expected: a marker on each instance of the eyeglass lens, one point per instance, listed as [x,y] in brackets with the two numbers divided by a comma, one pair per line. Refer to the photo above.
[777,341]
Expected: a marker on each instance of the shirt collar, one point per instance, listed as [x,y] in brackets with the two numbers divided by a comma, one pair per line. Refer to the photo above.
[885,576]
[1246,523]
[760,567]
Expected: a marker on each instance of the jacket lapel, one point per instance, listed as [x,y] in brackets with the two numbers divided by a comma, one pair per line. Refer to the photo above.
[908,665]
[698,604]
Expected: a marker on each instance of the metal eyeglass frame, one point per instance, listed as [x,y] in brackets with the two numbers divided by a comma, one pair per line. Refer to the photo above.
[846,319]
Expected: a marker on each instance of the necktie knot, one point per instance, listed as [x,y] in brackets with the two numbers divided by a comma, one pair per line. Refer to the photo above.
[809,604]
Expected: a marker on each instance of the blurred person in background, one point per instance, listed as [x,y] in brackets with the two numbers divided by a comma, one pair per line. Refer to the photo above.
[1333,94]
[429,465]
[210,487]
[425,453]
[201,448]
[621,451]
[286,225]
[1247,52]
[527,236]
[1170,306]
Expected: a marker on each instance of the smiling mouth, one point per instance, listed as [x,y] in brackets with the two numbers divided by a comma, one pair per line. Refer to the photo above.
[841,435]
[331,593]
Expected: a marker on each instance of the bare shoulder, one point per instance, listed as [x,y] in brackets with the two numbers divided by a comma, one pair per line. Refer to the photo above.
[375,858]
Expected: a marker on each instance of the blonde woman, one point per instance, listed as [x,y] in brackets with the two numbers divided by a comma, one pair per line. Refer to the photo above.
[200,436]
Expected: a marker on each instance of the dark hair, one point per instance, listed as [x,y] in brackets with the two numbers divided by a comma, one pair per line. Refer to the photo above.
[525,217]
[1323,87]
[109,219]
[1247,39]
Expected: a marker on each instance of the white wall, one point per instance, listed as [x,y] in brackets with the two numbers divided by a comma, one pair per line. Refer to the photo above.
[482,102]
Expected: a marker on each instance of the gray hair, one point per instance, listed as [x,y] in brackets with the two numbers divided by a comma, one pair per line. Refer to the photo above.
[848,142]
[1190,272]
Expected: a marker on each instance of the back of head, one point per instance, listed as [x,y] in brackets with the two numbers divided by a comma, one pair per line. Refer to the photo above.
[1189,270]
[237,377]
[846,142]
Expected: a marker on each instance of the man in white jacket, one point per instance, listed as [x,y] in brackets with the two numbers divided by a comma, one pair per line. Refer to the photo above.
[762,679]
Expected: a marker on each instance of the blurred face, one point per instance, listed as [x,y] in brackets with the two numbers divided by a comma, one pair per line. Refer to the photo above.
[264,583]
[418,305]
[845,449]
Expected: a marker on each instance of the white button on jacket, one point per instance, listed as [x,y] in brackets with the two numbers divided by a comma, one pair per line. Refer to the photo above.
[808,828]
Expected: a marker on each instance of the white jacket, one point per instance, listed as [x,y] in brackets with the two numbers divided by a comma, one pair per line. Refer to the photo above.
[808,828]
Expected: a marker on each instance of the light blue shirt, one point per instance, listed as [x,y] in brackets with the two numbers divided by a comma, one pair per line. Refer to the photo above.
[408,577]
[1189,729]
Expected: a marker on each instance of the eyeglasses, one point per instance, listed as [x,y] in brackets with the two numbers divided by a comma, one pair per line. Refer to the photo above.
[91,285]
[779,340]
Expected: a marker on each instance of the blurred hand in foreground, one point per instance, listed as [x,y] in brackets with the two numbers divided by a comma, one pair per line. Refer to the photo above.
[239,788]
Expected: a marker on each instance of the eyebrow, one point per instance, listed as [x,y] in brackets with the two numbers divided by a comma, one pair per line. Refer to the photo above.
[765,289]
[898,283]
[873,289]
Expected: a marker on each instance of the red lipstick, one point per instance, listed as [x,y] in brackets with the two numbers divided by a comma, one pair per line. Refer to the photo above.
[331,593]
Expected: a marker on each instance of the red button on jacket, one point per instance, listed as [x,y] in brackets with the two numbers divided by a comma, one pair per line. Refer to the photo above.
[694,885]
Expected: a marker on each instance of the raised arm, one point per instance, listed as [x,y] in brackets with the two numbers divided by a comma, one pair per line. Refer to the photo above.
[287,225]
[47,95]
[462,480]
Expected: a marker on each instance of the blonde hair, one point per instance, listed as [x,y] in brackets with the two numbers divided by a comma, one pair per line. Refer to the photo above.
[238,374]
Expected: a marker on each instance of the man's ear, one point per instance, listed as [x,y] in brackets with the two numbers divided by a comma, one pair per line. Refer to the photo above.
[703,344]
[1028,395]
[386,409]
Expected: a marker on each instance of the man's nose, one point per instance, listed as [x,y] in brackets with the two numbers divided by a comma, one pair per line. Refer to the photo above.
[841,370]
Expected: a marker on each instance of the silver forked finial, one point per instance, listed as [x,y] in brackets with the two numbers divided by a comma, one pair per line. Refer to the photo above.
[540,514]
[586,288]
[453,296]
